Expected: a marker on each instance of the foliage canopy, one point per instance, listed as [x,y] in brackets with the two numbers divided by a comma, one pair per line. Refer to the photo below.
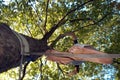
[95,22]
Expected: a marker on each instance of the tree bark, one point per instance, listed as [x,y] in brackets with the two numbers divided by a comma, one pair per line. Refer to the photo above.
[10,48]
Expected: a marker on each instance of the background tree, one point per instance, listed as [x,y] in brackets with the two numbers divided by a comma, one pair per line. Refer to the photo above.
[95,22]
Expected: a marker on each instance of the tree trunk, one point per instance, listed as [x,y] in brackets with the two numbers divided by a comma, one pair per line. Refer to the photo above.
[10,48]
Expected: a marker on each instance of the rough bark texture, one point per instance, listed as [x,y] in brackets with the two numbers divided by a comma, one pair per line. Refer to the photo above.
[10,48]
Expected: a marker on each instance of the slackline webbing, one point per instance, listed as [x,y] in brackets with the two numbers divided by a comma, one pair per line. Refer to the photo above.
[67,54]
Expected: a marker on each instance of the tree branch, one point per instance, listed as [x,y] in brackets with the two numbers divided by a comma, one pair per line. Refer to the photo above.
[80,19]
[24,70]
[65,34]
[36,11]
[46,16]
[48,34]
[95,22]
[116,61]
[41,71]
[29,29]
[16,2]
[60,37]
[60,69]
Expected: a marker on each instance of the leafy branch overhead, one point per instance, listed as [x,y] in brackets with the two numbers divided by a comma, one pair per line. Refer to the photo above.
[46,15]
[63,35]
[47,35]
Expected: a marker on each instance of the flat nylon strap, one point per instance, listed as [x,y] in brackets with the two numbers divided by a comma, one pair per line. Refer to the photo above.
[24,49]
[23,42]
